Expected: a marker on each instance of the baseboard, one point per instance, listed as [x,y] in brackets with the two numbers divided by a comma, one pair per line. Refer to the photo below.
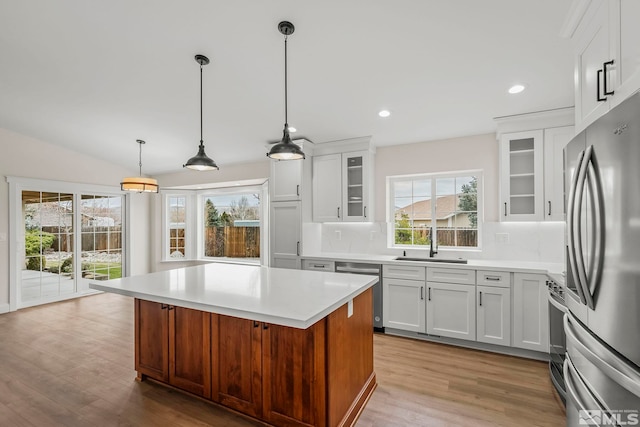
[510,351]
[4,308]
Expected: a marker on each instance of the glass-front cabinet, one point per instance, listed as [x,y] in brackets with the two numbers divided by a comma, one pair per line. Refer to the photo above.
[354,192]
[522,182]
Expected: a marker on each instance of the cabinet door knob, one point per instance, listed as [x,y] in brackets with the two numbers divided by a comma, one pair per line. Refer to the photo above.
[256,324]
[265,326]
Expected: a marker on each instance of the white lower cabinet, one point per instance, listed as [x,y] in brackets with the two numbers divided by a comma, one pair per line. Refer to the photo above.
[530,312]
[403,304]
[451,310]
[493,315]
[286,235]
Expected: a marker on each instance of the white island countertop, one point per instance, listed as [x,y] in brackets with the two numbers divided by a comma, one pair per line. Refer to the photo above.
[284,297]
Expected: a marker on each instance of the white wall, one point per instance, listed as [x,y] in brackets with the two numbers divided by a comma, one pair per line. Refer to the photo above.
[531,241]
[31,158]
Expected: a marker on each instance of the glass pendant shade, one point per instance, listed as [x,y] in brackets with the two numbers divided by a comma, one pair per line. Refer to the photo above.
[139,184]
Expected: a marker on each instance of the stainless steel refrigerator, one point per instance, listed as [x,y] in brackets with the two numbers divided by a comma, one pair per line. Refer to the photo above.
[602,187]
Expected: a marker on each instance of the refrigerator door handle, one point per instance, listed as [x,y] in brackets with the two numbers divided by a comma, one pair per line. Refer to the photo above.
[598,224]
[571,223]
[607,362]
[577,227]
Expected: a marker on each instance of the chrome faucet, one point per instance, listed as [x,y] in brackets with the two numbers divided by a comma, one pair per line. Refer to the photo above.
[431,251]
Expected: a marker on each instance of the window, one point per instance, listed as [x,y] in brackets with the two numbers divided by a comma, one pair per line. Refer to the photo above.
[177,225]
[215,223]
[231,223]
[443,204]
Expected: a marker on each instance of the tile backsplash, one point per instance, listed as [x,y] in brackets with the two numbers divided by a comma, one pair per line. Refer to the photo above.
[513,241]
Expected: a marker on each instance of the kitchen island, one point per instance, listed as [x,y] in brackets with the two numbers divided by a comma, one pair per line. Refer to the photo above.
[287,347]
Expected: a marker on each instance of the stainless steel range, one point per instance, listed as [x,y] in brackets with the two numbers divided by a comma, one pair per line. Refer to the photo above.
[557,337]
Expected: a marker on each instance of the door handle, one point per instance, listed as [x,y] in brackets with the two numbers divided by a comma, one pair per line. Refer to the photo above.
[505,208]
[422,292]
[549,213]
[256,324]
[365,211]
[480,298]
[298,248]
[604,81]
[338,211]
[265,326]
[298,190]
[429,294]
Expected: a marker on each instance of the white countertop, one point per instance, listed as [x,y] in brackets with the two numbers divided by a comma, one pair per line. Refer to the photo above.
[285,297]
[475,264]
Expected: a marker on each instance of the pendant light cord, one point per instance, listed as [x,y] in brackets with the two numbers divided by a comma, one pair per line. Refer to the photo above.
[286,117]
[140,158]
[201,142]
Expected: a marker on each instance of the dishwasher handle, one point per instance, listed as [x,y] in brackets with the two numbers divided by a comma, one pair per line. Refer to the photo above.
[354,270]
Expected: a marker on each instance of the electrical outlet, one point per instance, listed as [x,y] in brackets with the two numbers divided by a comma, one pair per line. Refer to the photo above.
[502,238]
[338,235]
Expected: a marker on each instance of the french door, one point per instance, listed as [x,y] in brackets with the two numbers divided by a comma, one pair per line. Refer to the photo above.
[64,241]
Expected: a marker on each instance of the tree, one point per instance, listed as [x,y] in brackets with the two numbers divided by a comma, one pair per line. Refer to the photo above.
[241,210]
[212,217]
[469,201]
[403,229]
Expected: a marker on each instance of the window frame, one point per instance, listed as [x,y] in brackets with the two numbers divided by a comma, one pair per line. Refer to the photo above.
[188,228]
[391,212]
[212,192]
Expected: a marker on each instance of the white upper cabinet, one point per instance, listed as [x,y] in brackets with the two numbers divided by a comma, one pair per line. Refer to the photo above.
[521,176]
[286,180]
[605,35]
[355,188]
[555,140]
[531,164]
[327,188]
[343,187]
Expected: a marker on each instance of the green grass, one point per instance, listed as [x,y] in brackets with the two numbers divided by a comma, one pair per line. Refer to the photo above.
[112,269]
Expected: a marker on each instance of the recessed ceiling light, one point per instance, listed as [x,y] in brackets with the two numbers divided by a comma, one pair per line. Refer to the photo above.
[384,113]
[292,129]
[516,89]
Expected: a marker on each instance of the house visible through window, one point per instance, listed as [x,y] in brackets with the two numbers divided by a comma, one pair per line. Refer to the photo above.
[443,205]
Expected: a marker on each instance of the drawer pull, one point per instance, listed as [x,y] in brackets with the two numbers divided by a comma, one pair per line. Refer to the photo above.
[493,278]
[319,266]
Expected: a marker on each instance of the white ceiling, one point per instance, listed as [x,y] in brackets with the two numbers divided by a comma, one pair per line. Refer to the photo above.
[94,76]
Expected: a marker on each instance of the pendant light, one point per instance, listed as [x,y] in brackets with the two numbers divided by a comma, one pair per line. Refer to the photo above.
[139,184]
[201,162]
[285,149]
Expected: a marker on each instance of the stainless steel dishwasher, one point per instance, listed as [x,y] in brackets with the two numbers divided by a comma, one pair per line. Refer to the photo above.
[371,270]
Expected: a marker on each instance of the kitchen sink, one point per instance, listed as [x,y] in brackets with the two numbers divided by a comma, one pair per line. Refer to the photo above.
[446,260]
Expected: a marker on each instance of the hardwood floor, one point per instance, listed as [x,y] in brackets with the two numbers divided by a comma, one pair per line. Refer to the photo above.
[71,364]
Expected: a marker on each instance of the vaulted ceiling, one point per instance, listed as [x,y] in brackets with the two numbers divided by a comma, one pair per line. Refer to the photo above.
[94,76]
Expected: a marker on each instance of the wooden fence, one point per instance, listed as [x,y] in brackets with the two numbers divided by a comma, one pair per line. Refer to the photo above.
[451,236]
[93,238]
[235,242]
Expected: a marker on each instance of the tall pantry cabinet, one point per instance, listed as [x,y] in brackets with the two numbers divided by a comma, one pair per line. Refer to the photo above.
[290,205]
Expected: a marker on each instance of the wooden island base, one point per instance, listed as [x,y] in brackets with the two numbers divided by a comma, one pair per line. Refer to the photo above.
[284,376]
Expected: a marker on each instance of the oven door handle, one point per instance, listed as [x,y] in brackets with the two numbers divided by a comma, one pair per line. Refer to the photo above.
[557,304]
